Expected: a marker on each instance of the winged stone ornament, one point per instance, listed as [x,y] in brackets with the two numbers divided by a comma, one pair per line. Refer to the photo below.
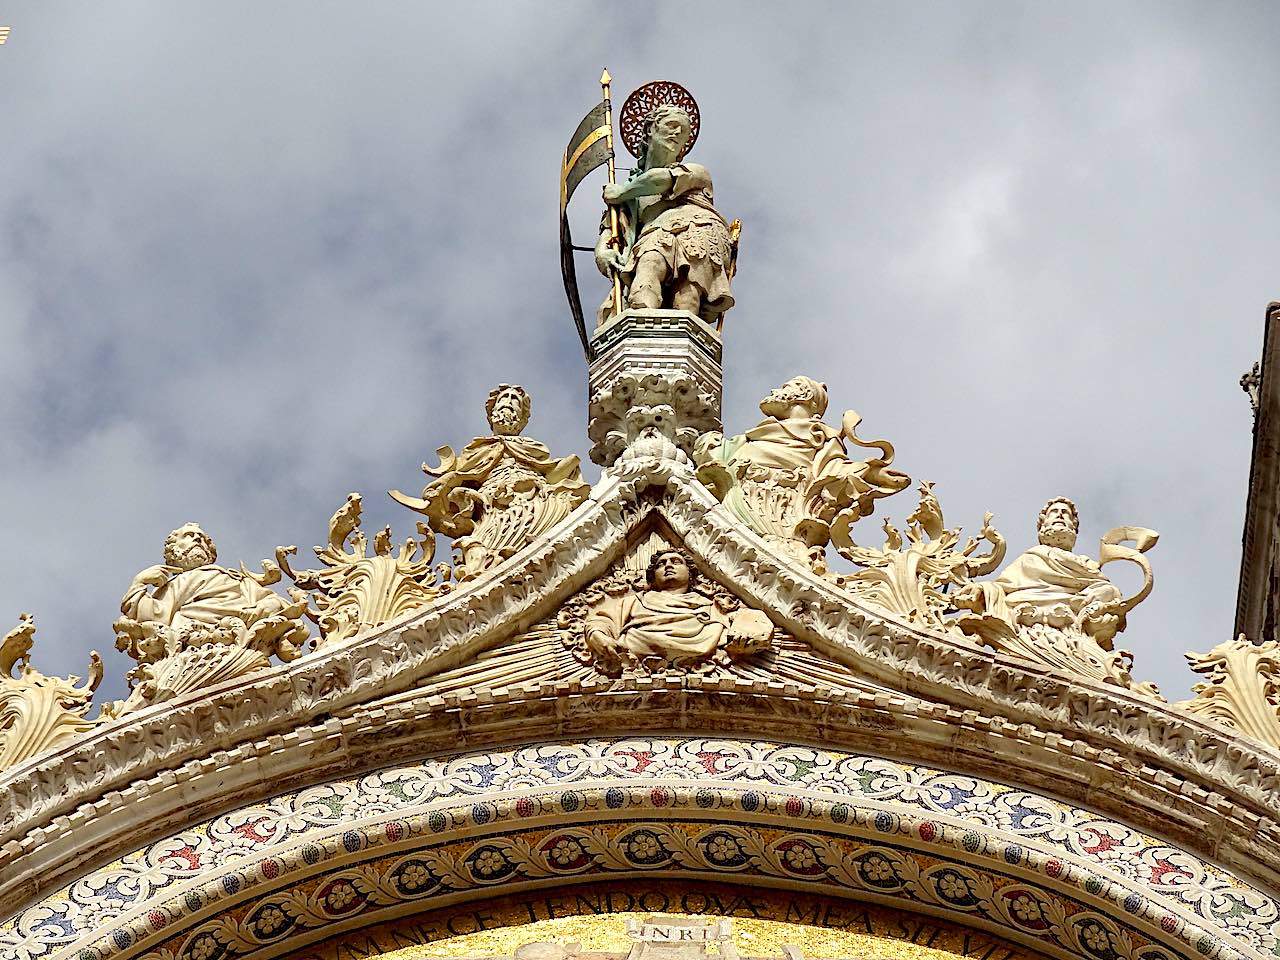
[501,492]
[791,478]
[37,713]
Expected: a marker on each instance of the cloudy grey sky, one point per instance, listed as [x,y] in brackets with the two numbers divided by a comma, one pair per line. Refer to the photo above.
[255,256]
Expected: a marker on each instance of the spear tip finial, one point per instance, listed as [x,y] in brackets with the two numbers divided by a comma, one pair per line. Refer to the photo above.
[604,77]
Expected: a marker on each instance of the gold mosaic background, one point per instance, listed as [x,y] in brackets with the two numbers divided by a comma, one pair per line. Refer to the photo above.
[763,922]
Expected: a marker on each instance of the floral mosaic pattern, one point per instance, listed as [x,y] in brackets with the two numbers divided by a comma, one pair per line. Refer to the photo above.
[867,869]
[994,851]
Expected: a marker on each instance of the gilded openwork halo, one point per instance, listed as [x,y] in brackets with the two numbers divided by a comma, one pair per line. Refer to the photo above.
[642,100]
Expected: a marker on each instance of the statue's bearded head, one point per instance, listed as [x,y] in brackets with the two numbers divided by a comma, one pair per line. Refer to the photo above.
[666,135]
[799,397]
[189,547]
[671,570]
[1059,524]
[508,409]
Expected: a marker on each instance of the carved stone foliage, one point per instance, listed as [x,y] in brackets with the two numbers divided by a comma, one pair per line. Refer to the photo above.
[37,712]
[791,479]
[192,624]
[501,492]
[1134,758]
[356,591]
[910,578]
[671,618]
[1058,608]
[655,415]
[1242,689]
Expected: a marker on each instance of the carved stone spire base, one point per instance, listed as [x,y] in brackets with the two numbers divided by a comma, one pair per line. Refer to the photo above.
[655,385]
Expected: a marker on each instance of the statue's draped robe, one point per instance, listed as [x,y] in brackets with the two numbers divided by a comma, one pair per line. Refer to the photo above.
[675,626]
[498,494]
[690,234]
[202,596]
[1045,577]
[811,451]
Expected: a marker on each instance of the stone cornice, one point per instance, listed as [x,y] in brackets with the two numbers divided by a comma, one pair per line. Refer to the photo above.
[331,713]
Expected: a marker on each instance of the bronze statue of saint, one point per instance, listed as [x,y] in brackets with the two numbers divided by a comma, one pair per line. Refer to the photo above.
[675,252]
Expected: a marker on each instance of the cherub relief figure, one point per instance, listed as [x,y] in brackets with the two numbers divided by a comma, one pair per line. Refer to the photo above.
[675,251]
[501,492]
[189,604]
[791,477]
[37,712]
[1056,606]
[913,580]
[670,622]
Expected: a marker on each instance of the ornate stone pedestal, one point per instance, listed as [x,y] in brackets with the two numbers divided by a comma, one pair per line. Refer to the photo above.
[654,385]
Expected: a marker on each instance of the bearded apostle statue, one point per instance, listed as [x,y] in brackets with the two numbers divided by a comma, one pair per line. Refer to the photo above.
[1057,607]
[791,478]
[191,623]
[501,492]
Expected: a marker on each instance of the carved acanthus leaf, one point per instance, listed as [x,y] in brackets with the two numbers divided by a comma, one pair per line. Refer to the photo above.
[910,578]
[1242,689]
[355,591]
[37,713]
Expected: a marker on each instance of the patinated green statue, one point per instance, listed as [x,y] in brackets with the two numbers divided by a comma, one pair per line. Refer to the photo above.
[673,248]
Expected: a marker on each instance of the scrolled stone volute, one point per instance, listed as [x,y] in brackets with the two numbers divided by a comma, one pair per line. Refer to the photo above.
[37,713]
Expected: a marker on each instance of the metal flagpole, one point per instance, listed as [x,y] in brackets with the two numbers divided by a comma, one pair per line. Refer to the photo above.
[614,240]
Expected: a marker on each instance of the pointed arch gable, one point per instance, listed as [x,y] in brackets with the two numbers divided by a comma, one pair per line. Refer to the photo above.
[369,703]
